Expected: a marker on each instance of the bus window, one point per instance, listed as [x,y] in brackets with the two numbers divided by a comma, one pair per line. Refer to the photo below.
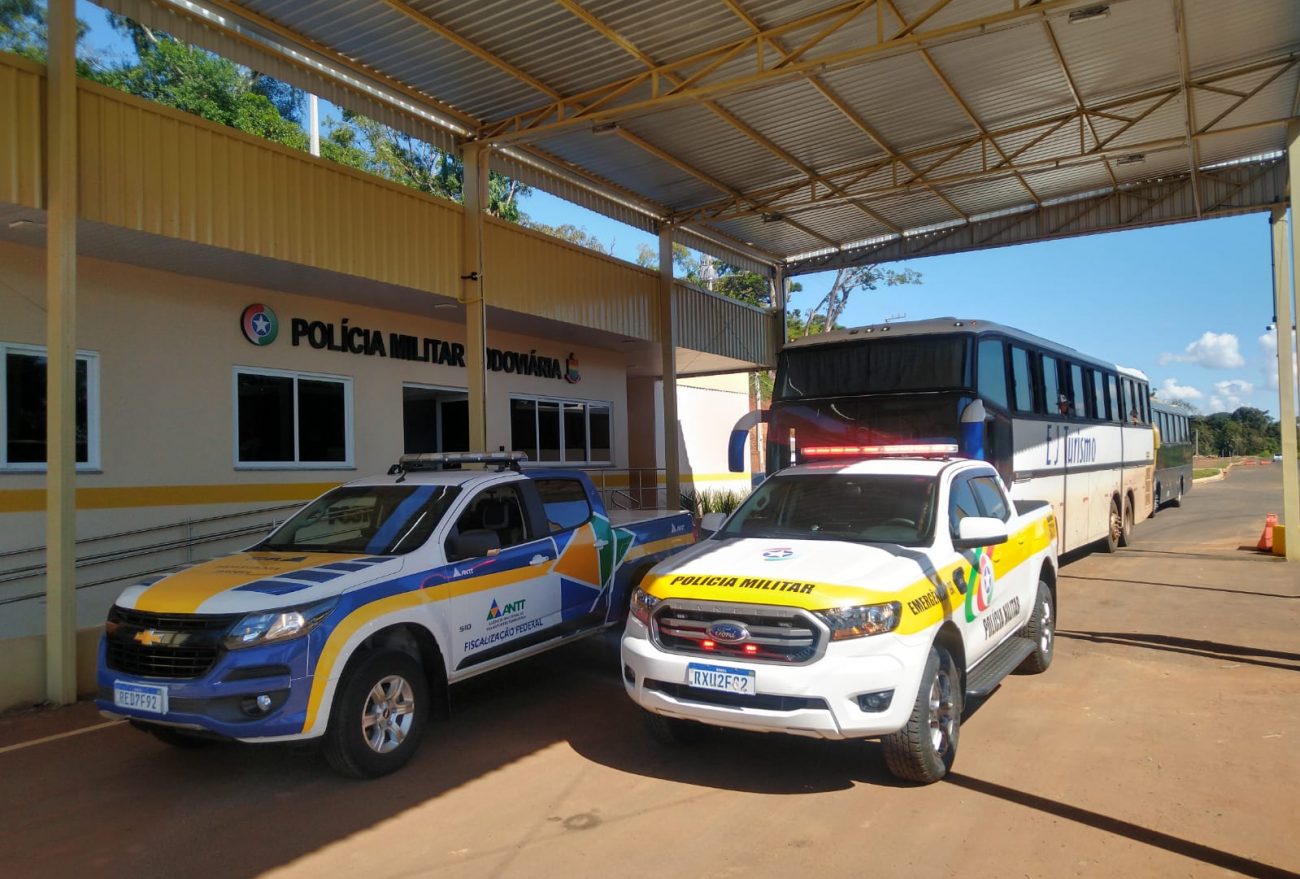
[1076,391]
[1051,387]
[1098,400]
[1112,394]
[1022,379]
[992,369]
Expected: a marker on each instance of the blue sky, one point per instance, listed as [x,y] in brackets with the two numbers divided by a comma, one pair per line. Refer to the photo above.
[1186,304]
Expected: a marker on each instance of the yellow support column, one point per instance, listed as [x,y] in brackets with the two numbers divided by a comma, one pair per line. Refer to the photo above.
[472,292]
[61,369]
[1283,297]
[668,359]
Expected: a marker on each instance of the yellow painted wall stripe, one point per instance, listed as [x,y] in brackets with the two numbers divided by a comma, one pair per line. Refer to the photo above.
[33,500]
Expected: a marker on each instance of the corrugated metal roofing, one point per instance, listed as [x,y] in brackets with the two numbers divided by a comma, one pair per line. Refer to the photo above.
[758,107]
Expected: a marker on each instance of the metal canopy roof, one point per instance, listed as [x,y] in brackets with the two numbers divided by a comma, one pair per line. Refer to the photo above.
[813,133]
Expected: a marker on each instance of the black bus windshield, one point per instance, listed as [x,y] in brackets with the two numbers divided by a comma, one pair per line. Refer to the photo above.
[875,366]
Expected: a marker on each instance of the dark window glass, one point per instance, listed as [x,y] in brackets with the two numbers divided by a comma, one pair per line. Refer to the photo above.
[1112,392]
[265,418]
[991,500]
[1077,406]
[598,419]
[566,503]
[498,509]
[961,503]
[523,427]
[992,367]
[322,422]
[1098,409]
[548,431]
[874,366]
[1051,388]
[25,407]
[575,431]
[419,420]
[1023,380]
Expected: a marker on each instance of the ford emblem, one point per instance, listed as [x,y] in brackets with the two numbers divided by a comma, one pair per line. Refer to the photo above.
[728,632]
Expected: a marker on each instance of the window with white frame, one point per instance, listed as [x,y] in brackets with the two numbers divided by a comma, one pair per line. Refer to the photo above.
[23,408]
[561,431]
[292,419]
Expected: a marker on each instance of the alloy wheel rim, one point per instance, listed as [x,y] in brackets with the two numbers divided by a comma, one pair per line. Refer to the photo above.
[388,714]
[942,713]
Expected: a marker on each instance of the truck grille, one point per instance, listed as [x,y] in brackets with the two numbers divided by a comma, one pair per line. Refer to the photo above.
[784,635]
[174,646]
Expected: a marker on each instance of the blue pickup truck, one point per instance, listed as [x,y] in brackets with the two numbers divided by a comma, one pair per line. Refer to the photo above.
[349,621]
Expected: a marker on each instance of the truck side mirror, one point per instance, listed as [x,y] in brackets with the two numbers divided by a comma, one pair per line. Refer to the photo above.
[976,531]
[711,522]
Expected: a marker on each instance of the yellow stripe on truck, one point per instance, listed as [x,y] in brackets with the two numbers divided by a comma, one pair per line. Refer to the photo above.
[186,591]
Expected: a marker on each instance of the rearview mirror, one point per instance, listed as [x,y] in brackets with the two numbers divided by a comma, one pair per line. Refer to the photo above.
[976,531]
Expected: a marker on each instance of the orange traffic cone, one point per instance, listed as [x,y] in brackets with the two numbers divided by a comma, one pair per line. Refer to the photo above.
[1266,539]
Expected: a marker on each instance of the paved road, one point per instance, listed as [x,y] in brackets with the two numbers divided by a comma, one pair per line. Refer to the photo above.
[1162,742]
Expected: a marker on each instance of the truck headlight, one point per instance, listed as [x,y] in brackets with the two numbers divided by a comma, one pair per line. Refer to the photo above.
[643,603]
[863,620]
[277,625]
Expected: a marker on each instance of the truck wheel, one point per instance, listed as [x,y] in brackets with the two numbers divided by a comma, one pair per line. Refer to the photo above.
[1114,528]
[378,715]
[1041,629]
[923,750]
[1126,529]
[675,732]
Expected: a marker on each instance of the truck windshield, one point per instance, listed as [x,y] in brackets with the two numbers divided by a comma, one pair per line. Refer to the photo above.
[861,508]
[374,519]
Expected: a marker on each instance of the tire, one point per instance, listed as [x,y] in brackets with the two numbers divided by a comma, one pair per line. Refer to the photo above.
[1041,629]
[1155,504]
[1178,498]
[924,749]
[1128,526]
[1114,528]
[378,716]
[675,732]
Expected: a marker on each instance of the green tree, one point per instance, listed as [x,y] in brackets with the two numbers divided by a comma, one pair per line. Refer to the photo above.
[22,28]
[572,234]
[825,315]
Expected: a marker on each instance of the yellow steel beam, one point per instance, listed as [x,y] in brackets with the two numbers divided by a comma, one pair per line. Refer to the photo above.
[1074,93]
[546,119]
[1189,106]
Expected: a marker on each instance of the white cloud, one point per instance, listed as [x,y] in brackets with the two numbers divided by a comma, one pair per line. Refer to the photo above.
[1231,391]
[1172,390]
[1268,346]
[1211,350]
[1216,404]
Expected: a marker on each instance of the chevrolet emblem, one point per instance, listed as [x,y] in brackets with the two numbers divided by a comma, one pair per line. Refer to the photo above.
[148,637]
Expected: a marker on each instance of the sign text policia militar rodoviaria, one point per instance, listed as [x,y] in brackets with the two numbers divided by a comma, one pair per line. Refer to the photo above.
[261,326]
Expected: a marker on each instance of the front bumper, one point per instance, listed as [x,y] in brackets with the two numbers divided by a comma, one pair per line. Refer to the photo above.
[222,701]
[819,700]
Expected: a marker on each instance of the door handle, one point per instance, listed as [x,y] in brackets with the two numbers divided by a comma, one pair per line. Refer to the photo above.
[601,544]
[539,559]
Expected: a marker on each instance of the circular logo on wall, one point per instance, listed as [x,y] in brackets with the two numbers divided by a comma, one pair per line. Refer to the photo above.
[260,324]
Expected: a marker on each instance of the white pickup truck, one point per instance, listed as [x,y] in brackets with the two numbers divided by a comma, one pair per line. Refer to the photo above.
[849,599]
[348,622]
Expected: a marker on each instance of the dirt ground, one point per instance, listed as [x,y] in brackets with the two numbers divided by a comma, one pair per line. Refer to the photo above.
[1162,742]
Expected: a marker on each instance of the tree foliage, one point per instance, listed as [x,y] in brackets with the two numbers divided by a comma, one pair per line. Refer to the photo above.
[1245,431]
[572,234]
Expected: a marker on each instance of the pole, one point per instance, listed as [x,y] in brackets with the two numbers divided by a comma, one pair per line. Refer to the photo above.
[313,114]
[668,360]
[472,292]
[1283,296]
[61,369]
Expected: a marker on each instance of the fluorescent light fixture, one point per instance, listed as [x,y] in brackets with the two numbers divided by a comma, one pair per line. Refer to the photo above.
[1089,13]
[1131,159]
[604,128]
[25,225]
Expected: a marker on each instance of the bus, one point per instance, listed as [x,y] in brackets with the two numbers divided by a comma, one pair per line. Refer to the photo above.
[1173,442]
[1058,425]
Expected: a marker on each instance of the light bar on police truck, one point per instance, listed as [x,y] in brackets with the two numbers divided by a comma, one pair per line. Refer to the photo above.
[453,460]
[922,450]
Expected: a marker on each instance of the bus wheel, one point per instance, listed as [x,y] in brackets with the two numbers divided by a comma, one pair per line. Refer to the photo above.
[1126,528]
[1155,504]
[1114,528]
[1178,498]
